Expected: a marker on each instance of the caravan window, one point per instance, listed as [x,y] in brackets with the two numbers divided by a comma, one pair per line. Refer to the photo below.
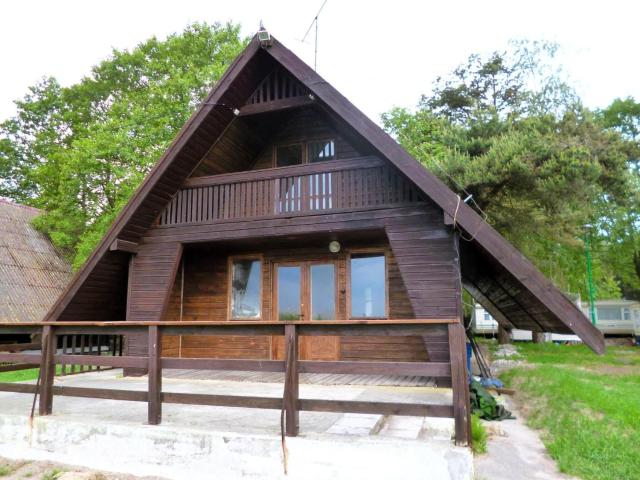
[609,313]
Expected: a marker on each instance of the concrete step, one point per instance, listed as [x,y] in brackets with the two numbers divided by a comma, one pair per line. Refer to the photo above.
[428,428]
[357,424]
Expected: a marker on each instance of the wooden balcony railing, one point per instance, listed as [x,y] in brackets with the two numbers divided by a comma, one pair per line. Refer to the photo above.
[290,402]
[365,182]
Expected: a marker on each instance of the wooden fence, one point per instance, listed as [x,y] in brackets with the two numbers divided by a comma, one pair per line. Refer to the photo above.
[67,344]
[291,366]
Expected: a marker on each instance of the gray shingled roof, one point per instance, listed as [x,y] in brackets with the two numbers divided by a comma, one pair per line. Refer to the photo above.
[32,272]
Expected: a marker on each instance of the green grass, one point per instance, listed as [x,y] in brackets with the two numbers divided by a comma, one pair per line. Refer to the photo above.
[23,375]
[479,435]
[5,470]
[587,406]
[578,354]
[52,474]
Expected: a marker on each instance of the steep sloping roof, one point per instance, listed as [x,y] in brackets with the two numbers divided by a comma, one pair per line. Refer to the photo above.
[32,272]
[503,280]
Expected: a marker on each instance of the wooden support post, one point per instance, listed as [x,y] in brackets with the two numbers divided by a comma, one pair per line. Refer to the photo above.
[74,339]
[504,335]
[537,337]
[47,370]
[155,376]
[63,367]
[291,381]
[460,384]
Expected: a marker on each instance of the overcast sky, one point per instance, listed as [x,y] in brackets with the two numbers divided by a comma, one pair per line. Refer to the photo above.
[377,53]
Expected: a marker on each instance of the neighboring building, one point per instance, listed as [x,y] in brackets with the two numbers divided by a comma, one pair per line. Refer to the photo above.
[613,317]
[280,201]
[33,273]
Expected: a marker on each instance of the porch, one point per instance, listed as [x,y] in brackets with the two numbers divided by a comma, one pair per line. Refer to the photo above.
[196,441]
[290,402]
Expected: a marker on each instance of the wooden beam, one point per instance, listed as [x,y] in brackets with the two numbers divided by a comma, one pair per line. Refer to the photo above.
[486,303]
[460,384]
[101,361]
[86,325]
[276,105]
[101,393]
[18,387]
[27,358]
[47,370]
[381,408]
[19,347]
[119,245]
[154,401]
[281,172]
[291,382]
[223,364]
[424,369]
[222,400]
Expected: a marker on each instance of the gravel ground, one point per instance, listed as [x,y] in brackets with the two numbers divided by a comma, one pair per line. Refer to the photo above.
[21,469]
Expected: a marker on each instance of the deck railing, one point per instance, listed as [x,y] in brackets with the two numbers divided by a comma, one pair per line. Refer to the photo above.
[365,182]
[291,366]
[68,344]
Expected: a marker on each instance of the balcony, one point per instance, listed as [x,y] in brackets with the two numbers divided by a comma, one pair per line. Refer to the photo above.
[339,185]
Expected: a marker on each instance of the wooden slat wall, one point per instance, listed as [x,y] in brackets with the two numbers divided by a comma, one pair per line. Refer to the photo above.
[103,297]
[425,253]
[151,281]
[302,125]
[278,85]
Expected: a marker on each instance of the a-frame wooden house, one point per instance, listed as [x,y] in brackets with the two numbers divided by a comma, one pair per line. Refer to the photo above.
[279,201]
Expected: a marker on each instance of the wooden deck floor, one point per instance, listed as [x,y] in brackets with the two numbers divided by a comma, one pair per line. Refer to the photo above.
[308,378]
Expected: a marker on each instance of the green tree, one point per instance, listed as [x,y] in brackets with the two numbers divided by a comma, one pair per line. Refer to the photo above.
[509,130]
[79,152]
[623,115]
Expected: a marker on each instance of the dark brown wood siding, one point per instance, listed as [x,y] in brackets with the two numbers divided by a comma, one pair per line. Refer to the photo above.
[206,295]
[301,126]
[427,261]
[152,275]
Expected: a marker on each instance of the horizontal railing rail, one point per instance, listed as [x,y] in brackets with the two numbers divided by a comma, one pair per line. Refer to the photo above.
[153,362]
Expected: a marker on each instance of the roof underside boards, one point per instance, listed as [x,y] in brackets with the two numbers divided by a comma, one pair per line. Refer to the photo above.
[32,272]
[511,286]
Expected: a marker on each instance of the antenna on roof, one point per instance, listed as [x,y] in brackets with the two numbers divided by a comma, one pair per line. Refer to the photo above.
[315,22]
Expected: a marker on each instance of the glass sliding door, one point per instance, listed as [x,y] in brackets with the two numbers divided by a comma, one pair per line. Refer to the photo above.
[323,291]
[289,295]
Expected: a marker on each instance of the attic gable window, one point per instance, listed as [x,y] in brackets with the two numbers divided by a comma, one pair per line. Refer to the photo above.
[288,155]
[321,151]
[311,151]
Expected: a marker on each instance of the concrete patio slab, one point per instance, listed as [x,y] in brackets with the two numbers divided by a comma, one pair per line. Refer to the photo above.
[199,442]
